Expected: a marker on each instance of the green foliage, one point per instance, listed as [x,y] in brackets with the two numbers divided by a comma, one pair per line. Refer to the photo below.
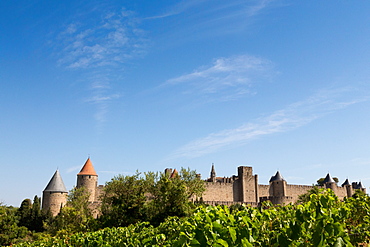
[10,232]
[76,216]
[131,199]
[306,196]
[321,221]
[123,201]
[170,196]
[31,216]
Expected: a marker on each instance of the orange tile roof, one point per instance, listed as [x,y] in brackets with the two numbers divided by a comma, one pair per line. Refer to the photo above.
[88,169]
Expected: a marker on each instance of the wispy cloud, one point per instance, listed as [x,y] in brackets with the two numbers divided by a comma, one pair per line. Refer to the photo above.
[209,6]
[178,8]
[99,46]
[210,17]
[293,116]
[225,79]
[112,41]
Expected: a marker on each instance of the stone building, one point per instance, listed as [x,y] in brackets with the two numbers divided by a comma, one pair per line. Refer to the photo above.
[241,188]
[54,196]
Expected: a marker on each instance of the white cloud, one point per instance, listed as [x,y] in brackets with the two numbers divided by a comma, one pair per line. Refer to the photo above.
[226,79]
[100,98]
[293,116]
[99,45]
[109,42]
[211,6]
[197,19]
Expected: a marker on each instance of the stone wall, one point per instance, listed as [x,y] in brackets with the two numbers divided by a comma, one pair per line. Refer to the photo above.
[263,190]
[218,192]
[54,201]
[295,190]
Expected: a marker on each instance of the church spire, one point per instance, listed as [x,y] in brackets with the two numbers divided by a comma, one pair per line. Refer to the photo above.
[213,173]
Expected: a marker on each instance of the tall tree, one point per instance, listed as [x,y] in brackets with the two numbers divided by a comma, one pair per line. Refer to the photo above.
[123,201]
[24,212]
[170,195]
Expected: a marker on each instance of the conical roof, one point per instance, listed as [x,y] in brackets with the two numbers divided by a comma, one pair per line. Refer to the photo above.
[346,183]
[277,177]
[360,186]
[88,169]
[56,184]
[328,179]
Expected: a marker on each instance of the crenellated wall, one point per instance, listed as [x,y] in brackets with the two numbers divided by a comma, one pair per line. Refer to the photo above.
[245,188]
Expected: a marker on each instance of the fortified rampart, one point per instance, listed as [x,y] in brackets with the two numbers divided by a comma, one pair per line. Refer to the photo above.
[237,189]
[244,188]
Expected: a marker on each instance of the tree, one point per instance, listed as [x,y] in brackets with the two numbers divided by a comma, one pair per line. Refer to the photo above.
[37,216]
[130,199]
[307,196]
[24,212]
[31,216]
[170,195]
[76,216]
[359,194]
[123,201]
[9,229]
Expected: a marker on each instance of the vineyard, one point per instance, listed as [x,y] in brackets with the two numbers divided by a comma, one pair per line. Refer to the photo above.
[322,221]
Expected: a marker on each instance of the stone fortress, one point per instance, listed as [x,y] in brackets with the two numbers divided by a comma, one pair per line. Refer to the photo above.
[243,188]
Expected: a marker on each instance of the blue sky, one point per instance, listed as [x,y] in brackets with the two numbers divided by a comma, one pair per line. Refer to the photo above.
[145,85]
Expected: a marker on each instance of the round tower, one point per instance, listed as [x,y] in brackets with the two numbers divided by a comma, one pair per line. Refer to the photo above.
[348,187]
[88,178]
[278,189]
[330,183]
[54,197]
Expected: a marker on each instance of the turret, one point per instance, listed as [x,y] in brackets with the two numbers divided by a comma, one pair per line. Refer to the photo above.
[88,178]
[54,196]
[330,183]
[277,185]
[348,187]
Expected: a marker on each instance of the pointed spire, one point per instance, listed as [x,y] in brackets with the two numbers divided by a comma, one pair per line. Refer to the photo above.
[213,172]
[277,177]
[328,179]
[346,183]
[56,184]
[88,169]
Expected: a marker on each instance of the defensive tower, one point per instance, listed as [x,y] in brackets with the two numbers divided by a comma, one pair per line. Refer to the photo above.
[88,178]
[330,183]
[54,196]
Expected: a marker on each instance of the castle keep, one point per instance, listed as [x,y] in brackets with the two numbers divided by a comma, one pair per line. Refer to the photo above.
[241,188]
